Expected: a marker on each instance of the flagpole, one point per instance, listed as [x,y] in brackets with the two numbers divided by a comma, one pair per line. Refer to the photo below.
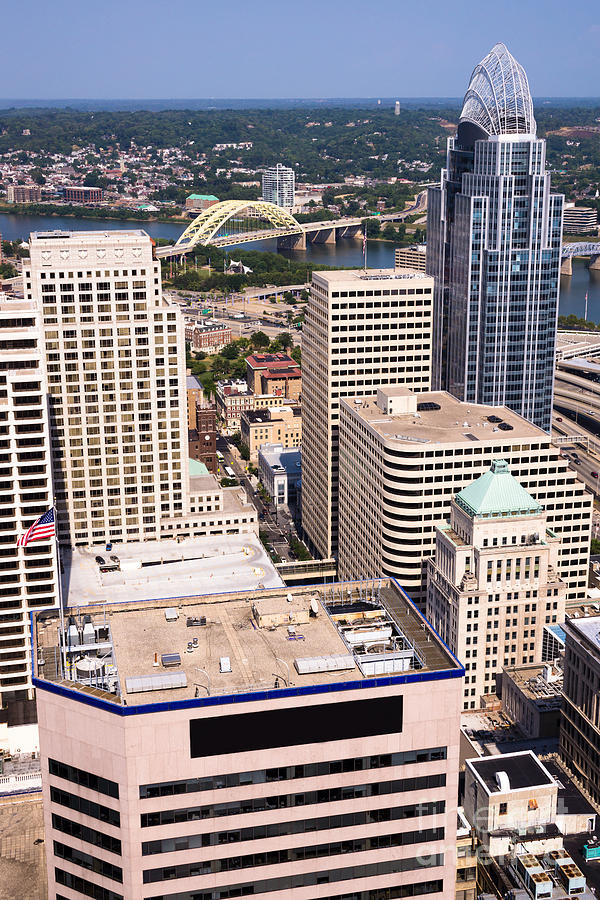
[60,594]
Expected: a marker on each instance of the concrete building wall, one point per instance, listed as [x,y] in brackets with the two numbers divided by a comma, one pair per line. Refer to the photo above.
[116,370]
[392,492]
[29,574]
[133,751]
[361,331]
[490,589]
[580,724]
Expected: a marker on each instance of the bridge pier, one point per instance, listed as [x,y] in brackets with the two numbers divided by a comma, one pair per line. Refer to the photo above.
[292,242]
[323,236]
[566,266]
[595,263]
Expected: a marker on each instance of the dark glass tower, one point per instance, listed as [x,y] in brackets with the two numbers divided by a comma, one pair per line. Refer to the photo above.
[494,234]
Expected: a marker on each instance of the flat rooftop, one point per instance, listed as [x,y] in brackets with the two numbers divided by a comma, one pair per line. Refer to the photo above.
[531,681]
[577,344]
[524,770]
[454,421]
[589,628]
[486,733]
[243,642]
[168,568]
[89,236]
[362,278]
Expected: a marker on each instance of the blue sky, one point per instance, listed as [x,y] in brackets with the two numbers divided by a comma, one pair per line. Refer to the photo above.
[290,48]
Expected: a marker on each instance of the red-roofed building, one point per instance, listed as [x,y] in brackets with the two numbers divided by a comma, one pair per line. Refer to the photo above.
[259,363]
[282,382]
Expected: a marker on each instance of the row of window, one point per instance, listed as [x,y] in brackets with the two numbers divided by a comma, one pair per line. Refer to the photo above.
[329,876]
[298,826]
[309,770]
[84,779]
[79,858]
[83,886]
[296,854]
[89,835]
[286,801]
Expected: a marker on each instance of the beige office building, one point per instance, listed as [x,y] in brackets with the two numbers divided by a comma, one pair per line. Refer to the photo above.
[414,257]
[404,457]
[493,583]
[278,425]
[28,581]
[116,372]
[362,330]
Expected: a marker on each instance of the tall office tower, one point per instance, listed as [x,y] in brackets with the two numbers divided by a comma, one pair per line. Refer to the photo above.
[580,713]
[362,329]
[494,579]
[116,373]
[403,458]
[227,780]
[494,234]
[29,579]
[279,185]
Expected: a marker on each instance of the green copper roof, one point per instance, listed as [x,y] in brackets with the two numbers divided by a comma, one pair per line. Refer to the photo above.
[197,468]
[202,197]
[497,493]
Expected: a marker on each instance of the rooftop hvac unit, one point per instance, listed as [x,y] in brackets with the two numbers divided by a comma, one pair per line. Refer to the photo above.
[171,614]
[89,667]
[503,782]
[224,664]
[314,606]
[311,665]
[89,635]
[169,660]
[166,682]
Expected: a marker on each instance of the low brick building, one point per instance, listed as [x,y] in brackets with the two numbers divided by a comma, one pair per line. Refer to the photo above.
[77,194]
[207,336]
[200,201]
[259,364]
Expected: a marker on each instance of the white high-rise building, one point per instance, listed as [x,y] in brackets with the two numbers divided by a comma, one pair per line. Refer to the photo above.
[28,581]
[116,373]
[279,185]
[403,457]
[363,329]
[493,584]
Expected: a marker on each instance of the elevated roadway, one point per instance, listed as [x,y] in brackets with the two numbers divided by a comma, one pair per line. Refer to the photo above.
[229,224]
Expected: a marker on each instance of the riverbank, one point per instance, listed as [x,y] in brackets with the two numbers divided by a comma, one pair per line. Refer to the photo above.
[68,211]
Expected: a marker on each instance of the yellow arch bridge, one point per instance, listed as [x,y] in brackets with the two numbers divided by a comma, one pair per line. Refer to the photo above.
[233,222]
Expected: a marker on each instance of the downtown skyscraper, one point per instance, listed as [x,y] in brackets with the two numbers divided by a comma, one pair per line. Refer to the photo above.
[494,232]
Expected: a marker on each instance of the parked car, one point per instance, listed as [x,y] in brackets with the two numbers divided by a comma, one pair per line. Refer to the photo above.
[100,560]
[594,474]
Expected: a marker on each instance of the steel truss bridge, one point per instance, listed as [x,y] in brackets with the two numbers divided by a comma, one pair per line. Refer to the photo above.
[233,222]
[584,248]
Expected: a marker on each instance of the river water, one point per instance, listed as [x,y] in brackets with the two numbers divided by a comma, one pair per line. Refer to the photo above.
[380,254]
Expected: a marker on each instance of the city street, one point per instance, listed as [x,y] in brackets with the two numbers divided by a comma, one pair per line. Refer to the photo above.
[276,524]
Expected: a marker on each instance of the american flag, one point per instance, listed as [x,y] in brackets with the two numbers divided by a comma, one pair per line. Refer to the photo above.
[42,529]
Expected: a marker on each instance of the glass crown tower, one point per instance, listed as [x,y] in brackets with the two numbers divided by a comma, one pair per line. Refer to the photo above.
[494,232]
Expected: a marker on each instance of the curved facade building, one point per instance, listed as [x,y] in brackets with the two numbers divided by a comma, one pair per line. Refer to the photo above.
[403,456]
[494,235]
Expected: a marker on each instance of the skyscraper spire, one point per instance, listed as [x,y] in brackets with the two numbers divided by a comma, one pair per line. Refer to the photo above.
[493,245]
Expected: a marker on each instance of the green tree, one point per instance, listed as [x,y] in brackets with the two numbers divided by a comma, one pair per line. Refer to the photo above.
[259,340]
[296,355]
[7,270]
[285,340]
[373,227]
[231,351]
